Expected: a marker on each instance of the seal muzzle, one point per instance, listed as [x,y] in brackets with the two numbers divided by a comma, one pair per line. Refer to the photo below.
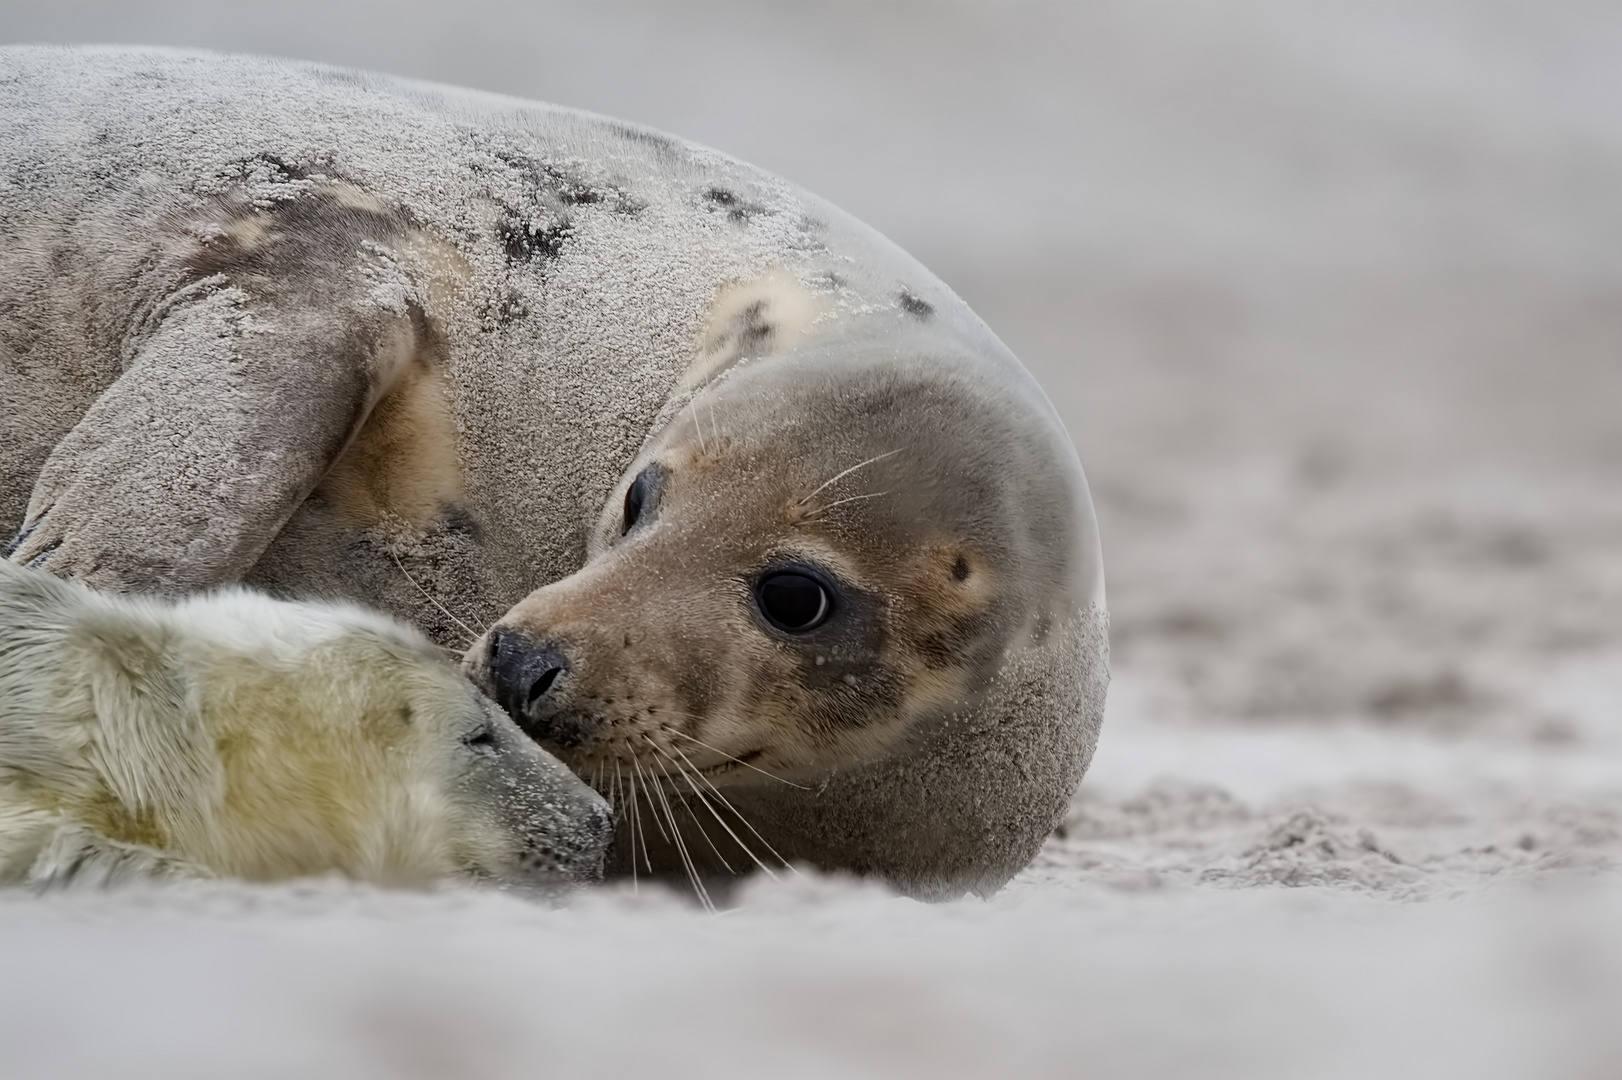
[529,680]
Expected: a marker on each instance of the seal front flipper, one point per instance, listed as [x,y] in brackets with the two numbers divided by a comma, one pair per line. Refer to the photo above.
[268,337]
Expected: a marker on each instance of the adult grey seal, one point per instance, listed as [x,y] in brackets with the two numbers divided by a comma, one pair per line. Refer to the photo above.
[228,734]
[759,516]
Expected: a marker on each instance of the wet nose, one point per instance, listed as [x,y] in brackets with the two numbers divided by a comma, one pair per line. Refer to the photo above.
[525,676]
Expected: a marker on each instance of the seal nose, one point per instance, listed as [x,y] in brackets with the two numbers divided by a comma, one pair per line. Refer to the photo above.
[523,674]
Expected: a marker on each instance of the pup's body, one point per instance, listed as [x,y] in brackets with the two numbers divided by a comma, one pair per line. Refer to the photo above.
[233,735]
[317,330]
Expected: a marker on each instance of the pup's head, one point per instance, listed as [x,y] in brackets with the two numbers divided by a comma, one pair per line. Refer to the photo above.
[265,740]
[352,745]
[817,563]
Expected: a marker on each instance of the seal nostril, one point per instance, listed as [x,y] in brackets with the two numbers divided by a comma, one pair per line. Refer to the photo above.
[544,683]
[522,672]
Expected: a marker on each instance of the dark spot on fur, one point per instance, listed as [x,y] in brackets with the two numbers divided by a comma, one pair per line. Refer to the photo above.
[557,186]
[19,540]
[456,521]
[737,210]
[574,194]
[281,170]
[44,556]
[746,334]
[525,242]
[751,326]
[503,312]
[697,686]
[915,306]
[953,644]
[960,569]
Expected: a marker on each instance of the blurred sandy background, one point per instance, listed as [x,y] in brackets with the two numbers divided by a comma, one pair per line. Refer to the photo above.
[1330,297]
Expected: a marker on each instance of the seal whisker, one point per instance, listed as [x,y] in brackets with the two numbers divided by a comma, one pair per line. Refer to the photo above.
[472,637]
[731,758]
[840,476]
[688,773]
[639,835]
[688,807]
[627,813]
[726,802]
[647,791]
[736,813]
[692,403]
[819,511]
[681,849]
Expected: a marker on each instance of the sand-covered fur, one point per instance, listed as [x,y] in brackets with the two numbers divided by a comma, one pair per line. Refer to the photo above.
[234,735]
[337,334]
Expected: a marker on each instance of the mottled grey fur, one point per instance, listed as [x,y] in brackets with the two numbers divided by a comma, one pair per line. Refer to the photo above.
[216,268]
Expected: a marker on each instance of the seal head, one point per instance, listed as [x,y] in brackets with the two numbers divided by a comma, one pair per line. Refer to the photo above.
[814,589]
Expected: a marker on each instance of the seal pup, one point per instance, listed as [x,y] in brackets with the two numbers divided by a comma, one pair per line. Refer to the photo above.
[229,734]
[339,334]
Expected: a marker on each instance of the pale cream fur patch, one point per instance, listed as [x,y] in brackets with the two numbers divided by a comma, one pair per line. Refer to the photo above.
[772,313]
[403,465]
[248,233]
[441,272]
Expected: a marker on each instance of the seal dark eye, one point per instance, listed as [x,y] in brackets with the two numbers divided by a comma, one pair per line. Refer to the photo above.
[483,739]
[640,496]
[793,601]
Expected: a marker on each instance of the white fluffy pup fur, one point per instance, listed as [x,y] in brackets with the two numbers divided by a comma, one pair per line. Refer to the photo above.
[230,734]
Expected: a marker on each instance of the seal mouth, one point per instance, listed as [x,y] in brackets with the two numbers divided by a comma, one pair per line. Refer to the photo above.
[564,729]
[597,766]
[733,763]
